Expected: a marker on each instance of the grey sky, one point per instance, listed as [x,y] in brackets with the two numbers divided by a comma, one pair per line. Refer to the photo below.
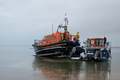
[22,21]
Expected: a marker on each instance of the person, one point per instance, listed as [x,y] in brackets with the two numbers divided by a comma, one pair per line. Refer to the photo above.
[78,34]
[105,40]
[68,36]
[74,40]
[62,37]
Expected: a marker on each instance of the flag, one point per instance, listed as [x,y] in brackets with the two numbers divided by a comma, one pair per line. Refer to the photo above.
[67,21]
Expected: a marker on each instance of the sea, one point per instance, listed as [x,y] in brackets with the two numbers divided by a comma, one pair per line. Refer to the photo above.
[18,62]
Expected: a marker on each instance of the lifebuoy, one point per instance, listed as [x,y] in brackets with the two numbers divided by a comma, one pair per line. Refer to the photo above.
[70,37]
[77,37]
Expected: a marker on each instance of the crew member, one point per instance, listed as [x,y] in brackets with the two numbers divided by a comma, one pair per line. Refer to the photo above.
[74,40]
[64,36]
[105,40]
[68,36]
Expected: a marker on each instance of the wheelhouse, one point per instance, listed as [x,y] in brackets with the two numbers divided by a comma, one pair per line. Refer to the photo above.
[51,38]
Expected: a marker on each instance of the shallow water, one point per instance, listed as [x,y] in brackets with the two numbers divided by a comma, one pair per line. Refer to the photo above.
[18,63]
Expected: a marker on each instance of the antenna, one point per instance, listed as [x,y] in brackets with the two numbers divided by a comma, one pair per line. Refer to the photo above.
[65,22]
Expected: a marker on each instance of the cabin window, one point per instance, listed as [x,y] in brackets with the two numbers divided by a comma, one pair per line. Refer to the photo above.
[47,37]
[96,42]
[92,41]
[51,36]
[99,42]
[44,38]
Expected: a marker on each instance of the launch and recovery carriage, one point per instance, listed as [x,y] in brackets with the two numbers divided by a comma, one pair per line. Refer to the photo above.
[97,49]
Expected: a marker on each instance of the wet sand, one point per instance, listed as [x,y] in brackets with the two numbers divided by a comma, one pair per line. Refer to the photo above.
[18,63]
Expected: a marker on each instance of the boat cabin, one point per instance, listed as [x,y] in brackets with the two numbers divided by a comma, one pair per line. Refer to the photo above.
[53,38]
[96,42]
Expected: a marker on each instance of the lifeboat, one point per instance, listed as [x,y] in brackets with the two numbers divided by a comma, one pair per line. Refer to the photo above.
[58,44]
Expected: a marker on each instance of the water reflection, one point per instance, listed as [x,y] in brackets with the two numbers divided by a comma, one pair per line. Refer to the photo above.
[68,69]
[101,70]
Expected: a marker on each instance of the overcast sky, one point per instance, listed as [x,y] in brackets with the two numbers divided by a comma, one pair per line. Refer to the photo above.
[22,21]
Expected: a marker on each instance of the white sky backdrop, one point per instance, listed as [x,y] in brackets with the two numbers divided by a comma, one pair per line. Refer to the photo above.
[22,21]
